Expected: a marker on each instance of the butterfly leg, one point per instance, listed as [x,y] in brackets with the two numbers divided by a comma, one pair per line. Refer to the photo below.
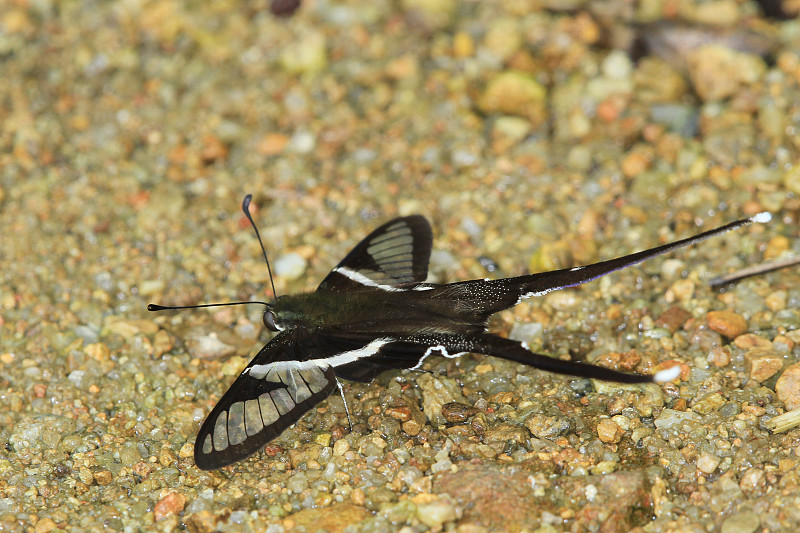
[344,401]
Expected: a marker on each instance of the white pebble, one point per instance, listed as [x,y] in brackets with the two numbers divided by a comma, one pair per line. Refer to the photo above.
[290,266]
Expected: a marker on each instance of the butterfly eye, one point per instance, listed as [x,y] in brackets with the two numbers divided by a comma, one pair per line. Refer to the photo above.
[269,320]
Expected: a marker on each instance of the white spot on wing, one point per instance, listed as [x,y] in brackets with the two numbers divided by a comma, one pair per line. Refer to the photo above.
[221,432]
[284,374]
[236,431]
[442,351]
[398,245]
[343,358]
[315,378]
[300,391]
[252,417]
[282,400]
[352,356]
[358,277]
[268,412]
[537,293]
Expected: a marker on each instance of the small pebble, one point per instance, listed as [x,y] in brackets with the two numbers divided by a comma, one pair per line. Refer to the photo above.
[506,433]
[103,477]
[531,333]
[788,387]
[45,525]
[435,511]
[431,14]
[776,246]
[512,129]
[308,54]
[727,323]
[741,522]
[290,266]
[673,318]
[708,403]
[170,504]
[515,93]
[707,462]
[783,343]
[764,363]
[682,290]
[303,454]
[752,479]
[207,346]
[791,180]
[151,287]
[617,65]
[463,45]
[302,142]
[678,420]
[563,300]
[719,356]
[323,439]
[436,392]
[503,38]
[776,301]
[162,343]
[608,431]
[718,72]
[545,427]
[400,413]
[340,447]
[751,340]
[333,518]
[455,412]
[672,268]
[273,143]
[412,427]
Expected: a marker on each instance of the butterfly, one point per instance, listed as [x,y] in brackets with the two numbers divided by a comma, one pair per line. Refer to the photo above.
[375,312]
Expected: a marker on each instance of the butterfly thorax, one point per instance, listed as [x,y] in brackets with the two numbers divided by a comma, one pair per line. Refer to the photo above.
[334,310]
[367,311]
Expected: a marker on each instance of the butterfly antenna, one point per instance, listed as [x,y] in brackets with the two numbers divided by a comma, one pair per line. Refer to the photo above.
[156,307]
[246,209]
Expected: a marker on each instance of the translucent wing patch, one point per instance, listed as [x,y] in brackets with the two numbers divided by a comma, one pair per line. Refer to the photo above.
[393,257]
[271,394]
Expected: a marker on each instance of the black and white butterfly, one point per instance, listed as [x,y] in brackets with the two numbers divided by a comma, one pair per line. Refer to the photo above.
[374,312]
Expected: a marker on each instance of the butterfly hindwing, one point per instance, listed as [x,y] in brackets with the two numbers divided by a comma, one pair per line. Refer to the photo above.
[395,354]
[288,377]
[393,257]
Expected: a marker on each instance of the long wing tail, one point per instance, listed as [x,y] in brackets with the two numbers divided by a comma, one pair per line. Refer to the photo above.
[499,294]
[486,343]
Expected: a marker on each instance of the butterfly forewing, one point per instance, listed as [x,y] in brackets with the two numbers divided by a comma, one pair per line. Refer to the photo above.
[288,377]
[393,256]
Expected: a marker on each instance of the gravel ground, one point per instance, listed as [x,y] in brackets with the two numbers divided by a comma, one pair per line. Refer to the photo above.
[533,136]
